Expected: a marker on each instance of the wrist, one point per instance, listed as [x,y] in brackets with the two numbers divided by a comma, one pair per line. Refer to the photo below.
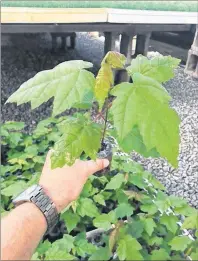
[55,199]
[33,213]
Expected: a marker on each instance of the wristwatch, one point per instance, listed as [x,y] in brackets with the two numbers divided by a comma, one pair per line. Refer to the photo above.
[36,195]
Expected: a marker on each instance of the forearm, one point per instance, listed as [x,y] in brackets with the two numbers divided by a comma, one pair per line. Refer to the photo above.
[21,232]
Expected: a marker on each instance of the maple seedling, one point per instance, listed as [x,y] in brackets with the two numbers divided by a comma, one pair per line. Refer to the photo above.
[139,113]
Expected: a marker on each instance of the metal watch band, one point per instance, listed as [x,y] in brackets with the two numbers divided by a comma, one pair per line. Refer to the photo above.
[45,204]
[36,195]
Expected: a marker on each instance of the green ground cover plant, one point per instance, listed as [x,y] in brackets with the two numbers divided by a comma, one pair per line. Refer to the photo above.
[125,214]
[183,6]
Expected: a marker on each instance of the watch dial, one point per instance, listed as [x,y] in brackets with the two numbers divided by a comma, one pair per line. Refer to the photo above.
[30,189]
[25,195]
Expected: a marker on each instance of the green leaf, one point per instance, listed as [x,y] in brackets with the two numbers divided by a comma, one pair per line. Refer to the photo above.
[134,141]
[42,127]
[76,140]
[159,255]
[32,150]
[162,205]
[160,68]
[136,228]
[53,136]
[128,249]
[180,243]
[112,216]
[191,222]
[104,80]
[55,254]
[170,221]
[82,247]
[14,125]
[194,255]
[19,161]
[106,194]
[121,196]
[103,180]
[185,210]
[34,179]
[103,221]
[150,208]
[4,132]
[99,198]
[155,241]
[102,254]
[15,189]
[157,122]
[64,244]
[71,220]
[15,137]
[88,190]
[35,257]
[133,194]
[176,201]
[9,168]
[68,82]
[114,59]
[149,225]
[116,182]
[43,247]
[87,208]
[39,159]
[124,209]
[137,180]
[86,101]
[3,212]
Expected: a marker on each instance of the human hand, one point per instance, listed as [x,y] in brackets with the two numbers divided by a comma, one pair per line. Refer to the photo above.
[63,185]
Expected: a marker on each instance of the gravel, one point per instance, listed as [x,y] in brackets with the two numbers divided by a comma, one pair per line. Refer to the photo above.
[22,57]
[20,61]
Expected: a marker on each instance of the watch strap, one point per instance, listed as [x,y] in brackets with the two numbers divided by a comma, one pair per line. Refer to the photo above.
[47,207]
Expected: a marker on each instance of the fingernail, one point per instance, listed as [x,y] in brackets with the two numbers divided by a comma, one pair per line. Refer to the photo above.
[105,163]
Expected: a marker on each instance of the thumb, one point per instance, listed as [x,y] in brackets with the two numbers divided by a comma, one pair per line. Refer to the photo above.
[47,164]
[94,166]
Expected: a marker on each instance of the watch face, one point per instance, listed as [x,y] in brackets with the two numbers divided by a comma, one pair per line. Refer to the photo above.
[25,196]
[30,189]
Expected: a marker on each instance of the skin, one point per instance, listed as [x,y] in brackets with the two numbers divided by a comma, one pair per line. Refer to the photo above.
[24,227]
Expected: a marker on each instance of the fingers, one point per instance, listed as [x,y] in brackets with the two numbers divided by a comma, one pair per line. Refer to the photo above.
[88,167]
[94,166]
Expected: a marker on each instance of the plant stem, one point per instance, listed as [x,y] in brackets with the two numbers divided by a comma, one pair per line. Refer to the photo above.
[105,126]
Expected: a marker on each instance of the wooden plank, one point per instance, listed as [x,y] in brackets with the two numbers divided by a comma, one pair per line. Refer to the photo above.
[91,15]
[88,27]
[151,17]
[53,15]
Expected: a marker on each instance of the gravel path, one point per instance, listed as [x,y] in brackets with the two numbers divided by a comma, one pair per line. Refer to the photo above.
[20,61]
